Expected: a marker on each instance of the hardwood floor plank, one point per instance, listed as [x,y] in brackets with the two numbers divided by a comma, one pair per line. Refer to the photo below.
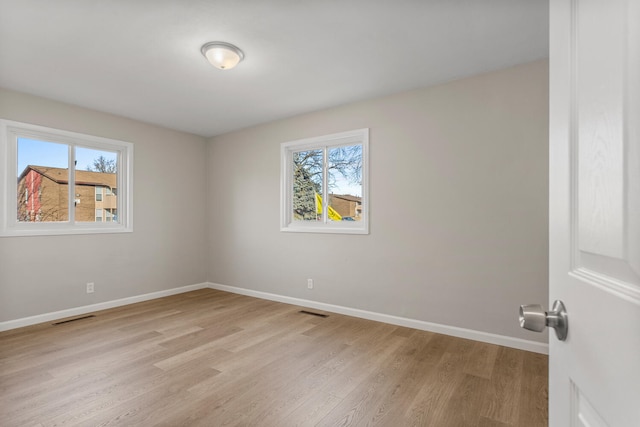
[429,403]
[361,365]
[486,422]
[534,391]
[310,411]
[151,402]
[464,405]
[392,405]
[106,392]
[501,401]
[272,396]
[482,360]
[79,371]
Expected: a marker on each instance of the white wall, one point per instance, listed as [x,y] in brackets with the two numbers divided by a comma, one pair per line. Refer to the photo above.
[167,248]
[458,206]
[458,210]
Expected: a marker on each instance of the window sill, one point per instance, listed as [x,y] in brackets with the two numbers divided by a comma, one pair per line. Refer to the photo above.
[326,229]
[63,230]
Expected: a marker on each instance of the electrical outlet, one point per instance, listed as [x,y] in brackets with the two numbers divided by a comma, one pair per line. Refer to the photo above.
[309,283]
[90,287]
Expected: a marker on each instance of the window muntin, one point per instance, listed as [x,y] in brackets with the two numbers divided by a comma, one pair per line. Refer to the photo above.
[69,173]
[324,184]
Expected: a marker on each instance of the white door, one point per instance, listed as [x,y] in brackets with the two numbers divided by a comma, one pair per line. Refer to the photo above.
[594,216]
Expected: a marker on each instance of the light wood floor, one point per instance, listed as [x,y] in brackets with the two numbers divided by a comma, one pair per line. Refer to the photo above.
[210,358]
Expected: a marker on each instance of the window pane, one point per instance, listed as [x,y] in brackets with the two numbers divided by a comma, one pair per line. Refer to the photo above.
[344,181]
[43,181]
[307,185]
[96,171]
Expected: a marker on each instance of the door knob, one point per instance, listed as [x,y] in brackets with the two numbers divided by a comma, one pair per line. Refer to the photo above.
[534,318]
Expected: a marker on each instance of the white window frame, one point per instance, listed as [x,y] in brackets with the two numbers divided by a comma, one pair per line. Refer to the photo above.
[287,223]
[10,131]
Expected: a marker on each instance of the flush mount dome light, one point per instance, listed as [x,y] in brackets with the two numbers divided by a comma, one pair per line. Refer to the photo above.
[222,55]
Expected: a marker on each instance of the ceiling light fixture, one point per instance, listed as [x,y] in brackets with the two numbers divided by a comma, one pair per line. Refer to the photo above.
[222,55]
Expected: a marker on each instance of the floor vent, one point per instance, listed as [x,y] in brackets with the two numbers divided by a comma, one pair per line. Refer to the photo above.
[313,314]
[73,320]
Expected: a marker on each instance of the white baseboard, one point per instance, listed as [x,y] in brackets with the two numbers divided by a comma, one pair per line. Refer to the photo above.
[471,334]
[536,347]
[77,311]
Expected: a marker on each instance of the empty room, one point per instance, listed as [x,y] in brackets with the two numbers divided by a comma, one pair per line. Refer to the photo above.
[330,213]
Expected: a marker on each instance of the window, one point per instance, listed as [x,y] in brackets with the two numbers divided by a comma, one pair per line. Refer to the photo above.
[68,172]
[111,215]
[324,184]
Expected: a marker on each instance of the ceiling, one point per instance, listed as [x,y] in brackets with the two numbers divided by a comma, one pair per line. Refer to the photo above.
[141,58]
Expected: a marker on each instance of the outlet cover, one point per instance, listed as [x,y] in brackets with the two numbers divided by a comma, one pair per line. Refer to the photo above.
[90,288]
